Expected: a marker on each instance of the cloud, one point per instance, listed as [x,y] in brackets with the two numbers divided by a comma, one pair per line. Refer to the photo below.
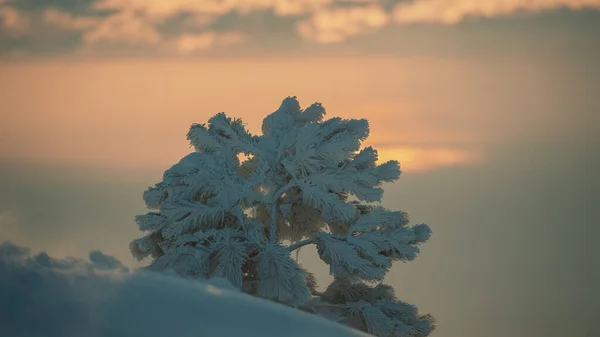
[123,27]
[327,23]
[188,27]
[158,9]
[13,21]
[131,27]
[454,11]
[73,297]
[190,43]
[59,19]
[335,25]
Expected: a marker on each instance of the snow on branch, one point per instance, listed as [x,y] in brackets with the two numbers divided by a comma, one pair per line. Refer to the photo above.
[154,196]
[367,252]
[201,139]
[305,180]
[342,291]
[345,260]
[282,119]
[367,317]
[375,309]
[279,276]
[378,218]
[313,113]
[186,261]
[145,246]
[389,171]
[151,221]
[231,254]
[187,217]
[331,206]
[232,133]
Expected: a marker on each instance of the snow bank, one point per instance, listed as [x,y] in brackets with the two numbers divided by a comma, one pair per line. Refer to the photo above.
[47,297]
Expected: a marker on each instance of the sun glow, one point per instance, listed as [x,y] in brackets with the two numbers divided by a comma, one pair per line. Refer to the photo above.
[414,159]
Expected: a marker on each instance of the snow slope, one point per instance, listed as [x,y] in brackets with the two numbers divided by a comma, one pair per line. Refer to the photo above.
[41,296]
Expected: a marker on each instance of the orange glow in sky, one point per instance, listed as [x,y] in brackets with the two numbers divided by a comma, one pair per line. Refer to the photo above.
[121,114]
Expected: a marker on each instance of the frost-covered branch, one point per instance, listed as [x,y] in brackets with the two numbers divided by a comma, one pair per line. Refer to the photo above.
[300,244]
[213,215]
[274,210]
[273,225]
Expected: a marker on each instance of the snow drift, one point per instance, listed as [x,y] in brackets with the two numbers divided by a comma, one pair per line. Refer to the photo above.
[47,297]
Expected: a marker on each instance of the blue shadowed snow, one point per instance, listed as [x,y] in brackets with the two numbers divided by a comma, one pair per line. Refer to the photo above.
[47,297]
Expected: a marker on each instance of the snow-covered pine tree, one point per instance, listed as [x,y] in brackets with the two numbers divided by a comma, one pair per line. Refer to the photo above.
[304,181]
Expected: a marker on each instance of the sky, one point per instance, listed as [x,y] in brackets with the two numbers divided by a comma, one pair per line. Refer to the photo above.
[491,107]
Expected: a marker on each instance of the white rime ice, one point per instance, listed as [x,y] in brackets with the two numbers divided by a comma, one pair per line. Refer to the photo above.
[304,181]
